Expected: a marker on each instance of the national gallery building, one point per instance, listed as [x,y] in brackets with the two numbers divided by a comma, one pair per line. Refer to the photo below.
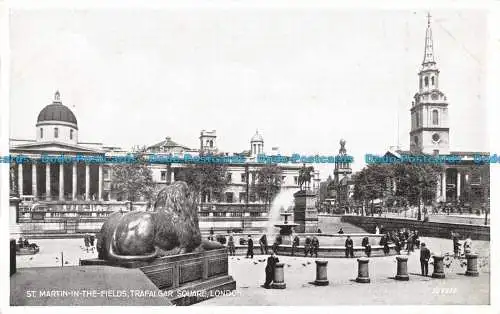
[76,196]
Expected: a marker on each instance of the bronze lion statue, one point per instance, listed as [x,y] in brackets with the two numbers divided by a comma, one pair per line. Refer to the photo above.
[170,228]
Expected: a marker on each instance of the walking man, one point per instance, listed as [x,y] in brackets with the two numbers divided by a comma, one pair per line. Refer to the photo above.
[307,246]
[425,255]
[315,247]
[230,245]
[263,244]
[349,247]
[250,247]
[295,244]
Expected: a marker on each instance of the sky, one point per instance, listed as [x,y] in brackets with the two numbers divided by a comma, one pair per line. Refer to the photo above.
[305,78]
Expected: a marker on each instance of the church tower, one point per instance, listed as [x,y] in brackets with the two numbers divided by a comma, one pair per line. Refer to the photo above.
[429,111]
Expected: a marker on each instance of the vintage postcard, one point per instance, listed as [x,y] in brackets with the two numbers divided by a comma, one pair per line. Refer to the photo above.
[248,155]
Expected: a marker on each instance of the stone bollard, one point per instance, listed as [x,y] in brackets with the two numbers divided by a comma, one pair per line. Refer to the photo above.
[363,275]
[321,273]
[402,272]
[471,265]
[438,267]
[279,277]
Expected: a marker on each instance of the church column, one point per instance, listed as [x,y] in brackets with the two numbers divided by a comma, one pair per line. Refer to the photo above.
[100,182]
[20,178]
[33,179]
[459,179]
[87,182]
[47,182]
[443,187]
[74,187]
[61,181]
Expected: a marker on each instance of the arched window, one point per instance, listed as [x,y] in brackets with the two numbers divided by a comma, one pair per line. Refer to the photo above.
[432,81]
[415,140]
[417,120]
[70,134]
[56,132]
[41,132]
[435,117]
[426,81]
[211,143]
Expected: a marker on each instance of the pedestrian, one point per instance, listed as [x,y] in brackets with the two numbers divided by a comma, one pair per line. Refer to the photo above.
[409,246]
[377,230]
[250,247]
[211,238]
[270,267]
[86,241]
[425,255]
[92,240]
[368,249]
[349,247]
[365,241]
[319,230]
[340,231]
[295,244]
[230,245]
[315,247]
[307,246]
[416,239]
[397,245]
[263,244]
[468,245]
[456,244]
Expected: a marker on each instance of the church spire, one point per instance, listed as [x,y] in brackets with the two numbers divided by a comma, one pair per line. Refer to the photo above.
[429,49]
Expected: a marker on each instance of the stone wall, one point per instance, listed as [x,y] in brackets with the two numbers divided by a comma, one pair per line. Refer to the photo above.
[426,229]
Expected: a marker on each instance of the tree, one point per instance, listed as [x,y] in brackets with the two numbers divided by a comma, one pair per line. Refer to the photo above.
[205,178]
[268,182]
[133,180]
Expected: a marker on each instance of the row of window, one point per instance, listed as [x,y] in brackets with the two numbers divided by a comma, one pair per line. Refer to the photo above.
[163,177]
[56,133]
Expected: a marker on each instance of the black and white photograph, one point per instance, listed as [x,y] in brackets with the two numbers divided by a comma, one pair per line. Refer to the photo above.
[252,155]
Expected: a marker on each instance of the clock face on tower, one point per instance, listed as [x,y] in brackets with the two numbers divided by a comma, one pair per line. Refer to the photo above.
[436,138]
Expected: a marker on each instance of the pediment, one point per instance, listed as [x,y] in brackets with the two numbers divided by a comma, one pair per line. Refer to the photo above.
[53,147]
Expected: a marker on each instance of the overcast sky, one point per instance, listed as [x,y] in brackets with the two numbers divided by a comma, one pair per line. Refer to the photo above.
[304,78]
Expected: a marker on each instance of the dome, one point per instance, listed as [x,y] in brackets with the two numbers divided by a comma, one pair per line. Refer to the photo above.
[57,112]
[257,137]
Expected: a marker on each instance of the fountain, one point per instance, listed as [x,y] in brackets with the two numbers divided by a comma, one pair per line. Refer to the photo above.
[286,228]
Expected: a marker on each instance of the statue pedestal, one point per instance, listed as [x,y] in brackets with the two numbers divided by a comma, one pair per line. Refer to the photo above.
[305,214]
[14,227]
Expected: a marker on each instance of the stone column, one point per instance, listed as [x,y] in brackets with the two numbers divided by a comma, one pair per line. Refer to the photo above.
[363,274]
[74,187]
[20,178]
[438,267]
[472,265]
[33,179]
[87,182]
[321,273]
[47,182]
[61,181]
[279,277]
[402,271]
[459,179]
[443,187]
[438,189]
[100,183]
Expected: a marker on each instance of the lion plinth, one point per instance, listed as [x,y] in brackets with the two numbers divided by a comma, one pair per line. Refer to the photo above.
[171,228]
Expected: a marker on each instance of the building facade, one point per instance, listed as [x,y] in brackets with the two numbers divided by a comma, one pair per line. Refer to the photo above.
[61,192]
